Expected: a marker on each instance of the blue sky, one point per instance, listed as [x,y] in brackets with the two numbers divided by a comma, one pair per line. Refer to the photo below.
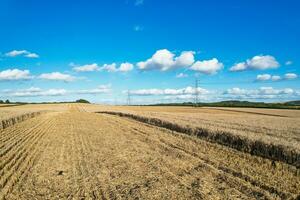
[97,50]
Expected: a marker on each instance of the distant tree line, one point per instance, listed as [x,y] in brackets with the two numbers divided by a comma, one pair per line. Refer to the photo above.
[6,101]
[245,104]
[21,103]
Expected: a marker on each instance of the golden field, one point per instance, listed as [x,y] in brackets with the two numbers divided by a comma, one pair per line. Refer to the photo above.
[69,151]
[272,127]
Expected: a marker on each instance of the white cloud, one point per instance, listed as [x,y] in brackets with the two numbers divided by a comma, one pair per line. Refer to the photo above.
[235,91]
[181,97]
[290,76]
[14,74]
[263,77]
[24,53]
[125,67]
[85,68]
[266,77]
[275,78]
[259,62]
[109,67]
[165,60]
[181,75]
[35,92]
[263,62]
[16,53]
[261,93]
[31,55]
[57,76]
[239,67]
[183,91]
[207,66]
[288,62]
[101,89]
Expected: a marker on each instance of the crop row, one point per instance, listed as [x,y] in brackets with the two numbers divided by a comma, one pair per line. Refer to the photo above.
[13,120]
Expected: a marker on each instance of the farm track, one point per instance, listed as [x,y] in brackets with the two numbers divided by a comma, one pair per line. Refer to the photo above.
[80,155]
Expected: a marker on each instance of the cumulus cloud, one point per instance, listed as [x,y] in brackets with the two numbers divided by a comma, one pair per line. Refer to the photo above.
[182,97]
[290,76]
[15,74]
[124,67]
[165,60]
[263,77]
[266,77]
[183,91]
[31,55]
[275,78]
[181,75]
[57,76]
[24,53]
[86,68]
[207,66]
[261,93]
[101,89]
[35,92]
[259,62]
[109,67]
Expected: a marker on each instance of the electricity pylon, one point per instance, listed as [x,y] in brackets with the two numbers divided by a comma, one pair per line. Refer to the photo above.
[197,83]
[128,97]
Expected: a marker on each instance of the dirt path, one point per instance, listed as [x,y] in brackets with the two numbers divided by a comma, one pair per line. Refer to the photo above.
[81,155]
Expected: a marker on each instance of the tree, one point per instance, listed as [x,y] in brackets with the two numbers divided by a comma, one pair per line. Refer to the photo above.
[7,101]
[82,101]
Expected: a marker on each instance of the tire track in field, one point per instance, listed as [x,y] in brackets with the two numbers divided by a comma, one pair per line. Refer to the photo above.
[27,168]
[18,139]
[16,131]
[21,156]
[72,174]
[173,173]
[81,155]
[92,187]
[230,176]
[22,159]
[81,165]
[54,176]
[94,191]
[17,149]
[163,169]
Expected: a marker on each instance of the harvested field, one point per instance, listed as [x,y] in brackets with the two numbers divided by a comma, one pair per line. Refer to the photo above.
[7,105]
[274,133]
[70,152]
[10,115]
[14,111]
